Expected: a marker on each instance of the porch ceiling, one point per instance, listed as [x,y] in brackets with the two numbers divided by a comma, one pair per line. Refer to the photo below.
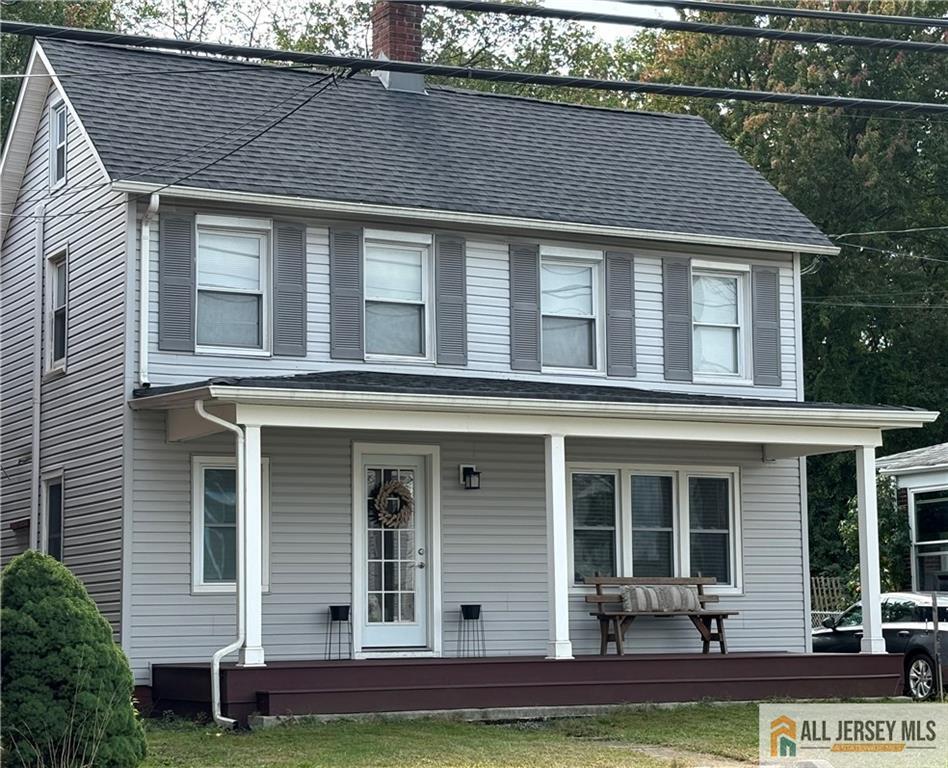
[417,403]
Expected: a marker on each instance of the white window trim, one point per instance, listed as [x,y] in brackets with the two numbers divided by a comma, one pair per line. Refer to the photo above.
[913,528]
[52,477]
[682,531]
[56,141]
[261,227]
[405,240]
[198,465]
[741,274]
[55,366]
[579,257]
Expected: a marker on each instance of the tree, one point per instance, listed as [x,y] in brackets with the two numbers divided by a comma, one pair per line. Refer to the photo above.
[875,318]
[67,687]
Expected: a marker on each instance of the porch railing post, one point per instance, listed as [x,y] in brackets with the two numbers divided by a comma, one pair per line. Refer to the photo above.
[251,655]
[559,646]
[869,577]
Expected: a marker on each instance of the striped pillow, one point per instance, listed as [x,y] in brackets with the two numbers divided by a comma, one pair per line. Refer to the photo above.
[671,598]
[641,599]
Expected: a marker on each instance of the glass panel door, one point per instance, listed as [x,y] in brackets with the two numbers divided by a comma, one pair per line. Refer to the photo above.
[395,553]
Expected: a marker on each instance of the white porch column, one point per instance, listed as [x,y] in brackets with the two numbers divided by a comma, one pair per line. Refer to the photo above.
[869,578]
[559,646]
[251,655]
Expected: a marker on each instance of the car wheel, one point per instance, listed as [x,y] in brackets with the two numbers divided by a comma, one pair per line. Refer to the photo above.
[920,677]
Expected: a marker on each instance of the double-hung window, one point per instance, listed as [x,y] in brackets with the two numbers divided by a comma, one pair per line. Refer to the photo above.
[930,538]
[717,308]
[233,267]
[397,294]
[569,305]
[52,522]
[656,522]
[57,144]
[56,312]
[214,523]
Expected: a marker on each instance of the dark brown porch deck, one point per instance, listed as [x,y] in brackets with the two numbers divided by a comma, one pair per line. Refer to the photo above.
[399,685]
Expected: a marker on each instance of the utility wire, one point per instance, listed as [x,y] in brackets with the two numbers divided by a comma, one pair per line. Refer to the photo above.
[887,252]
[873,306]
[799,13]
[891,231]
[729,30]
[356,64]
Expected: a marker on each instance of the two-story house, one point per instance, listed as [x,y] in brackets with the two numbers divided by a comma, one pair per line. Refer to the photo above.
[241,302]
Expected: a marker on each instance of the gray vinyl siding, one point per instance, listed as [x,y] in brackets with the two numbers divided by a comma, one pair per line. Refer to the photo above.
[82,411]
[488,323]
[493,545]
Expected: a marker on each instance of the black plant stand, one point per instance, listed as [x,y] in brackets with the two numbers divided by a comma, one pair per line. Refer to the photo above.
[339,632]
[471,641]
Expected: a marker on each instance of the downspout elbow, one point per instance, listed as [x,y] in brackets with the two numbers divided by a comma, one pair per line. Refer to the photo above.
[143,292]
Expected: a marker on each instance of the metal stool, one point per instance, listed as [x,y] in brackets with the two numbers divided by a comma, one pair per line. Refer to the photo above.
[471,640]
[339,616]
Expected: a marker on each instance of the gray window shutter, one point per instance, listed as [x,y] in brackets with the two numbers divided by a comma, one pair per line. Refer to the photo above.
[176,282]
[765,320]
[345,294]
[524,307]
[289,289]
[451,299]
[676,306]
[620,314]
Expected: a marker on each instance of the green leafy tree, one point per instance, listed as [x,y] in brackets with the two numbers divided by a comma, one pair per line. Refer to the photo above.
[894,540]
[67,687]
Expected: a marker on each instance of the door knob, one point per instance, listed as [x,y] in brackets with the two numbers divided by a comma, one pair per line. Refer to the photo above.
[421,565]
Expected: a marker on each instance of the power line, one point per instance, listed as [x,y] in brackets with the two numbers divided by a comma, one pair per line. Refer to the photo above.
[891,231]
[356,64]
[892,253]
[861,305]
[729,30]
[800,13]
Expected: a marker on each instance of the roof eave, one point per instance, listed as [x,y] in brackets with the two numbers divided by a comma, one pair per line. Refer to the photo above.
[462,218]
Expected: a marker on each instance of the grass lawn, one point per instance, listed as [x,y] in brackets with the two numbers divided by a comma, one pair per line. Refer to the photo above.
[611,740]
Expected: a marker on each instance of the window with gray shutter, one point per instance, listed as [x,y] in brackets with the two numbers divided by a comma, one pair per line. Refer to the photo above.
[176,282]
[524,307]
[451,299]
[620,314]
[289,289]
[676,307]
[345,293]
[765,325]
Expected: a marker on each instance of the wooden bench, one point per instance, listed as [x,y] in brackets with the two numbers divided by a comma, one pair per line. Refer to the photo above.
[614,620]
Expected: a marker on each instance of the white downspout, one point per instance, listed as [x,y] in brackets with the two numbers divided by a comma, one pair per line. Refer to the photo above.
[37,395]
[227,722]
[143,292]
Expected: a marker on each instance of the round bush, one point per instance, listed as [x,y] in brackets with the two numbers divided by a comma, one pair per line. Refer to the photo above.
[67,687]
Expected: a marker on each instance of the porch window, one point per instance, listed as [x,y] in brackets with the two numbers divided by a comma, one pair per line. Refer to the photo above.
[718,317]
[53,516]
[397,305]
[653,528]
[594,524]
[232,276]
[56,312]
[214,524]
[57,145]
[709,509]
[569,304]
[931,539]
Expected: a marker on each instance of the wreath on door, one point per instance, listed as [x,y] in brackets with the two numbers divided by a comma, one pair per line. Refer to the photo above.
[400,515]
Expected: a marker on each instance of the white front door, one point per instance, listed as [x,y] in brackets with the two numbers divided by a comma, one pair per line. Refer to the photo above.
[394,553]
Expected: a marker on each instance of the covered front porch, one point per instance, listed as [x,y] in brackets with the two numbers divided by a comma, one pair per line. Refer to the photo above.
[517,546]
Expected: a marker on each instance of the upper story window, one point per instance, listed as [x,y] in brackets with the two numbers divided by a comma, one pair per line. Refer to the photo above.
[718,322]
[56,312]
[57,144]
[397,290]
[569,305]
[233,267]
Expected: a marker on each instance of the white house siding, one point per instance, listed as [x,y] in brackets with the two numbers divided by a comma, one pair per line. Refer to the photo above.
[82,417]
[493,545]
[488,316]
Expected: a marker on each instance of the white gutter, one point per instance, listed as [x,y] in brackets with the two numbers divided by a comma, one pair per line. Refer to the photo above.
[455,218]
[37,395]
[914,470]
[233,647]
[143,292]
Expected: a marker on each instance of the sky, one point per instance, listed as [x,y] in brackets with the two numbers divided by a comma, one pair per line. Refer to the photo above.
[612,31]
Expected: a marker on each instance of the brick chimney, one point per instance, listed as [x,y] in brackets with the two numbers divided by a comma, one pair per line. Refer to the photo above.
[396,35]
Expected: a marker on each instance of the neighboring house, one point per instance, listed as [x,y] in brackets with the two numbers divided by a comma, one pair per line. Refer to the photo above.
[921,478]
[596,310]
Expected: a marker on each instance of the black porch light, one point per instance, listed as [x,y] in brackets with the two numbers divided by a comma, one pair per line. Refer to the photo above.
[470,477]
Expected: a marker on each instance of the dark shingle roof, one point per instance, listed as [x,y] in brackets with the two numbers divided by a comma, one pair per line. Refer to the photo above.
[463,386]
[929,456]
[450,150]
